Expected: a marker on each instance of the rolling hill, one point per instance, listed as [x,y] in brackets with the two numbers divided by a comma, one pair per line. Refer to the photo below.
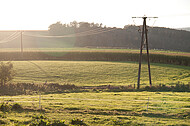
[186,28]
[127,37]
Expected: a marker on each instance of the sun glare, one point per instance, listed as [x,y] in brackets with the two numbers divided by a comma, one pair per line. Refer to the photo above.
[39,14]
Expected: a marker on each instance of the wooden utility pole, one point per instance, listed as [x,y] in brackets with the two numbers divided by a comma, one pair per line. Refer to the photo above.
[144,41]
[21,44]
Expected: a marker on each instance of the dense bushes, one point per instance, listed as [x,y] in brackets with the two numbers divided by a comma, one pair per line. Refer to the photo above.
[44,121]
[30,88]
[6,107]
[176,88]
[161,88]
[78,122]
[16,107]
[95,56]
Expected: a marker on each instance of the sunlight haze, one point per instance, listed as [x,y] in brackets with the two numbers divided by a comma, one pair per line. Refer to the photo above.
[39,14]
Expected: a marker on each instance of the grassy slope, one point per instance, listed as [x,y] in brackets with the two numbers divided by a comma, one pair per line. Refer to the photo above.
[106,108]
[97,73]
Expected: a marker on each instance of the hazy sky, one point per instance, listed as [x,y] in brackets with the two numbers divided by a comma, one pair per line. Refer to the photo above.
[39,14]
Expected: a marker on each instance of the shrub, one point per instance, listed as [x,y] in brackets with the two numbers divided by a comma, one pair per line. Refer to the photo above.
[78,122]
[41,122]
[16,107]
[58,123]
[6,72]
[40,117]
[3,122]
[177,88]
[44,121]
[5,107]
[30,88]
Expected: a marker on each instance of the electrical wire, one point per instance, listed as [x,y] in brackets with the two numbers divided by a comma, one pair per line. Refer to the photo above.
[80,34]
[90,32]
[10,38]
[153,23]
[98,32]
[5,39]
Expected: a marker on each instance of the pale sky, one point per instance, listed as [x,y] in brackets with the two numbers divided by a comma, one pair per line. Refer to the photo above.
[39,14]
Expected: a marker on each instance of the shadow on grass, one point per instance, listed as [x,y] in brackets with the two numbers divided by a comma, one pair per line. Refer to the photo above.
[29,110]
[158,115]
[94,111]
[164,115]
[126,112]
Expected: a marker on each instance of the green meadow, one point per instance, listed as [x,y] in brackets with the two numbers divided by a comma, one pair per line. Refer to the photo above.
[94,73]
[102,108]
[96,107]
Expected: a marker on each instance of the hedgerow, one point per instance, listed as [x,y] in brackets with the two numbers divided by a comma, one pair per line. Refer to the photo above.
[31,88]
[95,56]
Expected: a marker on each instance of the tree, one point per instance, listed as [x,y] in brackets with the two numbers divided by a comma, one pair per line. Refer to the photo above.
[74,24]
[84,25]
[56,29]
[6,72]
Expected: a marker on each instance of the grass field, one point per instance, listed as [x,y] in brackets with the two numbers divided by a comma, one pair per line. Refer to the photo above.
[97,107]
[93,73]
[104,108]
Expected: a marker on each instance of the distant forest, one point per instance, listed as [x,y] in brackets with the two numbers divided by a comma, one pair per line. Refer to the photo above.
[96,35]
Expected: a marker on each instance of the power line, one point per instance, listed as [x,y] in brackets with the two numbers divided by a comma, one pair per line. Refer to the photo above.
[80,34]
[72,35]
[98,32]
[32,35]
[89,32]
[10,38]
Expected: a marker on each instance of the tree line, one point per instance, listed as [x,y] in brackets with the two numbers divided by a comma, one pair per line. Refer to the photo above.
[97,35]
